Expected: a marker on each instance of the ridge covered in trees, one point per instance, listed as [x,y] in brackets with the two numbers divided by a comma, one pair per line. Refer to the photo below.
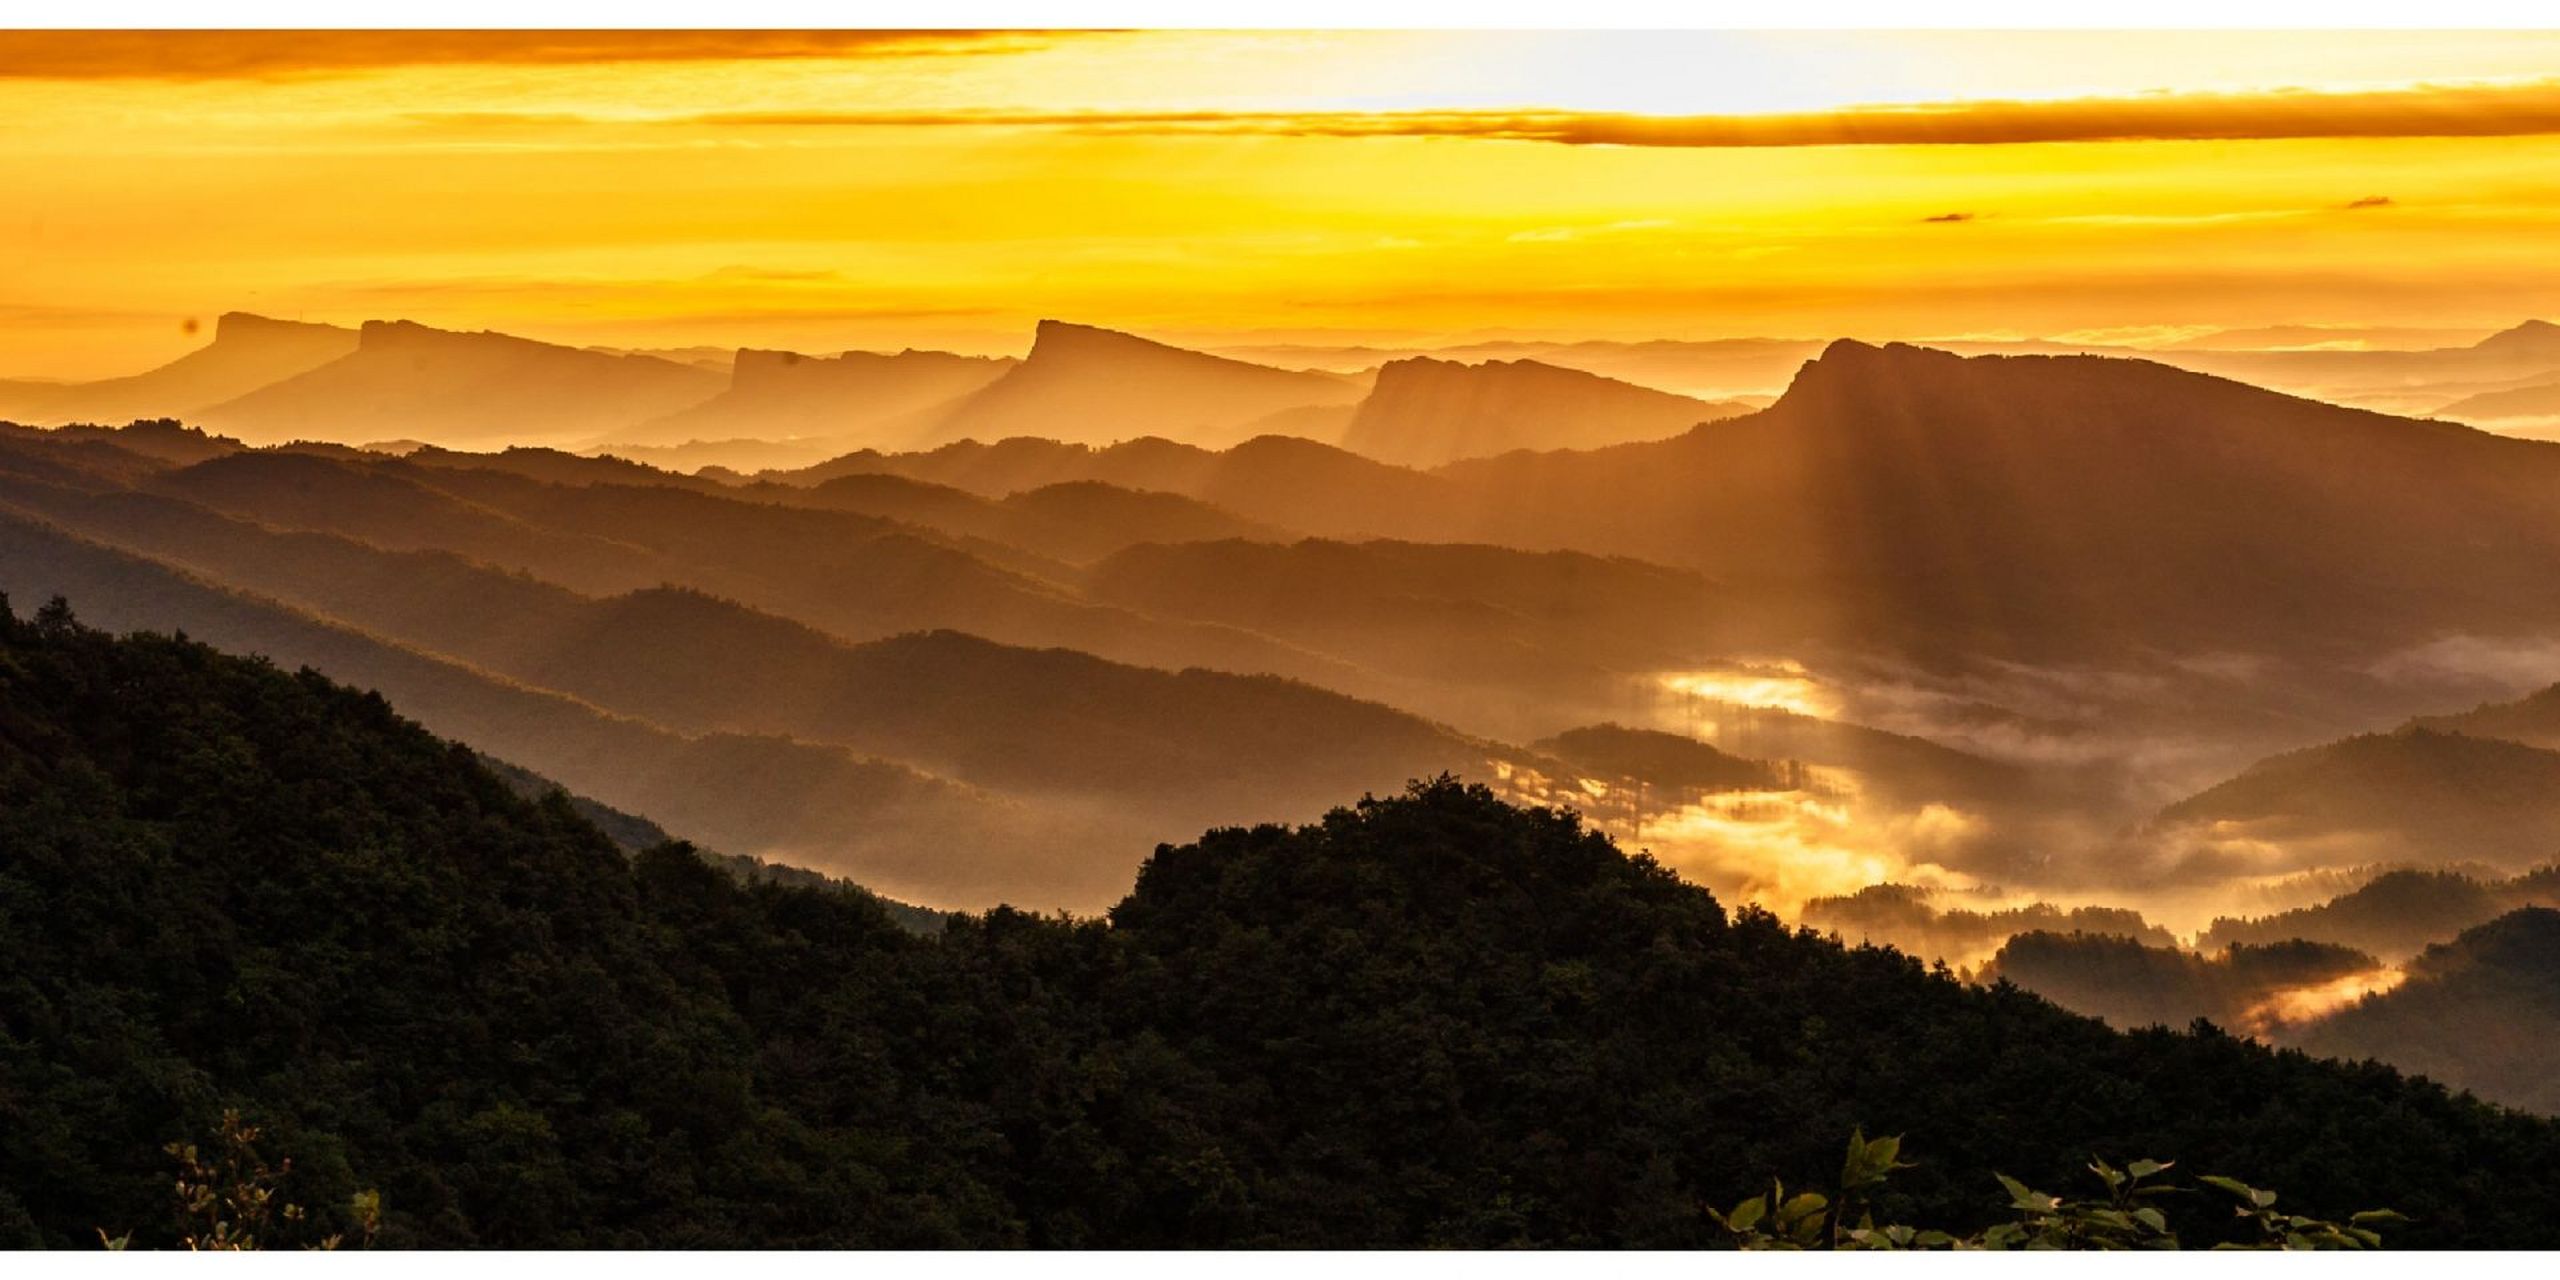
[1433,1019]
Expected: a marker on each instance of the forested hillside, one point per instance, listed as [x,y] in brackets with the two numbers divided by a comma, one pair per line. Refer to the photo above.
[1428,1020]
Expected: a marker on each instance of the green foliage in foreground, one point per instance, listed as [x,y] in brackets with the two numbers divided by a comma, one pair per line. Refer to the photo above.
[230,1200]
[2129,1215]
[1429,1020]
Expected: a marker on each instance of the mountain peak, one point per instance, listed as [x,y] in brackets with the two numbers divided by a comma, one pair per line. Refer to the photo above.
[383,335]
[2533,337]
[1848,368]
[1054,339]
[237,325]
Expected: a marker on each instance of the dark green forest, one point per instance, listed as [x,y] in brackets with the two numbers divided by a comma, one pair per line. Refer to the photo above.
[1432,1019]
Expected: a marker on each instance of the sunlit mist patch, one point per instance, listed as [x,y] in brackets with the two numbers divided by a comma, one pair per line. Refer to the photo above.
[1781,850]
[1775,848]
[2309,1003]
[1780,685]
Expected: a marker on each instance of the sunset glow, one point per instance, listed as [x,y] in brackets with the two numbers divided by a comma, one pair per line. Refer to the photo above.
[824,193]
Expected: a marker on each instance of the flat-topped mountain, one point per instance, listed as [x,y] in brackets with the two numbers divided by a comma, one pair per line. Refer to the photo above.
[1423,412]
[247,352]
[407,380]
[1086,385]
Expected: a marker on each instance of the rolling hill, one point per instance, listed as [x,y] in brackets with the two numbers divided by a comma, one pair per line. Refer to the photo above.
[2533,720]
[2536,400]
[2416,795]
[2396,914]
[2479,1012]
[1480,615]
[1073,521]
[1142,751]
[804,803]
[477,1006]
[2132,983]
[1282,481]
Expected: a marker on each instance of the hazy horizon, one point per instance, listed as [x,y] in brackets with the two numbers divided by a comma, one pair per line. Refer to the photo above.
[818,191]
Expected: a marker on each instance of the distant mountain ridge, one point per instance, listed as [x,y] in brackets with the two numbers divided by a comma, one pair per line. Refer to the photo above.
[407,380]
[854,400]
[247,352]
[2479,1012]
[1423,412]
[1964,502]
[2421,792]
[1086,385]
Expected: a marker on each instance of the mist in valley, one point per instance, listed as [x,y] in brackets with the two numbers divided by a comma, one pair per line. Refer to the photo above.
[1058,610]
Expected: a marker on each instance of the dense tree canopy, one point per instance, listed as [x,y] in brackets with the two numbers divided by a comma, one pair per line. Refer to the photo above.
[1431,1019]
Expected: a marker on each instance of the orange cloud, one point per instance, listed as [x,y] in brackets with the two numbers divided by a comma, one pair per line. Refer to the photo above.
[2472,111]
[262,55]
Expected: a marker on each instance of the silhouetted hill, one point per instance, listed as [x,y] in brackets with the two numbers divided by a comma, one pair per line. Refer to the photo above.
[2397,913]
[163,440]
[855,400]
[1084,385]
[1709,368]
[854,575]
[1898,767]
[372,502]
[1084,520]
[801,802]
[2416,793]
[1666,760]
[1074,521]
[87,460]
[2540,400]
[2535,341]
[1156,751]
[2063,506]
[1909,918]
[2480,1013]
[407,380]
[247,352]
[1347,1034]
[2134,985]
[1423,412]
[883,494]
[1456,612]
[1278,480]
[556,466]
[2533,720]
[636,835]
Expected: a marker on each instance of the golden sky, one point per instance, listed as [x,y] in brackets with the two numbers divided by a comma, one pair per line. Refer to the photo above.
[826,192]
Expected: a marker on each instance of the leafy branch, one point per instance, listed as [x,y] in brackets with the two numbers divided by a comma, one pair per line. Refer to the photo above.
[2127,1215]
